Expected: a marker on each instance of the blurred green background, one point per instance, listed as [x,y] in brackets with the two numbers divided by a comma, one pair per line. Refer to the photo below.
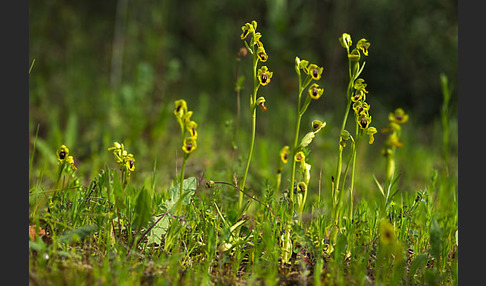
[111,70]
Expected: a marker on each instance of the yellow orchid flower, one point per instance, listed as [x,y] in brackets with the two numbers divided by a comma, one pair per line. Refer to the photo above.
[264,75]
[315,92]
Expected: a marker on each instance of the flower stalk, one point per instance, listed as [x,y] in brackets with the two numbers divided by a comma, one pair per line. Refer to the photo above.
[188,137]
[125,161]
[356,94]
[313,72]
[261,77]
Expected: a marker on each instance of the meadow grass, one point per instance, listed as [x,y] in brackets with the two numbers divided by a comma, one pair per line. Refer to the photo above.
[160,219]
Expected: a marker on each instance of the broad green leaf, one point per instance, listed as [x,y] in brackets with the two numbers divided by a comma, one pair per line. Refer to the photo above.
[155,235]
[189,186]
[167,205]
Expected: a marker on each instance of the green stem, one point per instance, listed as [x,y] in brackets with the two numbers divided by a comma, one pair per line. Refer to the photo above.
[253,130]
[352,174]
[124,179]
[252,144]
[343,126]
[340,157]
[300,112]
[297,128]
[347,165]
[181,191]
[334,193]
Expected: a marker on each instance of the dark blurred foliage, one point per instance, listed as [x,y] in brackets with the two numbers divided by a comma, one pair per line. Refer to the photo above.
[92,55]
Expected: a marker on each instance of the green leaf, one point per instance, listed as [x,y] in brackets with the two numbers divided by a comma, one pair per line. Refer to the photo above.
[189,186]
[237,224]
[379,186]
[167,205]
[155,235]
[221,215]
[143,209]
[393,194]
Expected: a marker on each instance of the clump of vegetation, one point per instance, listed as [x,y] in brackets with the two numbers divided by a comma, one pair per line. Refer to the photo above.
[113,229]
